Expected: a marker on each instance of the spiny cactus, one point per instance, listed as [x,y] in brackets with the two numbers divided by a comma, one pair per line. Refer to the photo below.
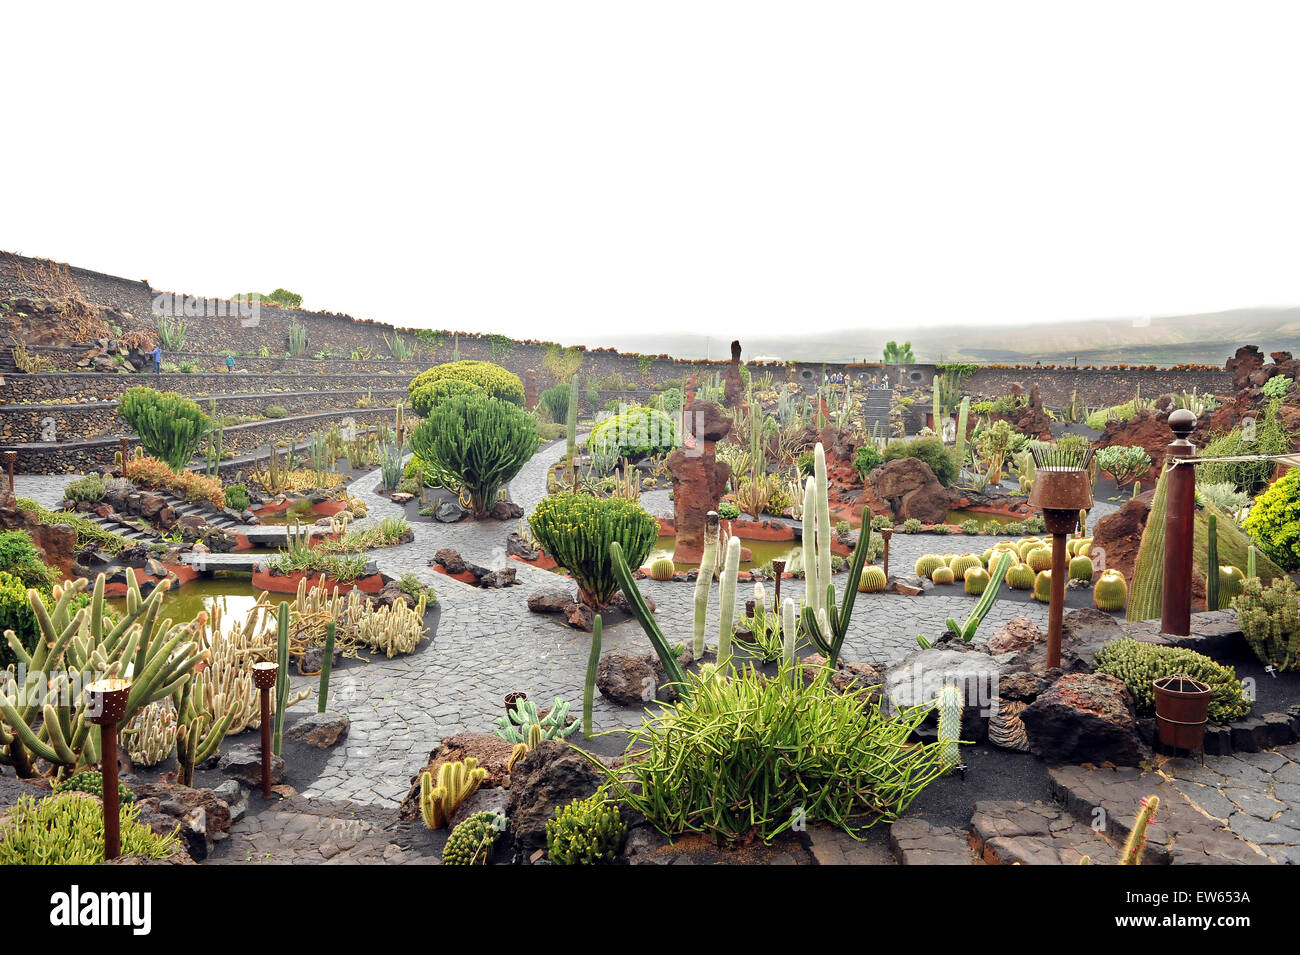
[91,781]
[926,563]
[456,782]
[1212,563]
[992,590]
[471,842]
[1137,839]
[1270,621]
[789,630]
[1020,577]
[1138,664]
[727,600]
[662,568]
[585,832]
[1081,568]
[676,676]
[1110,592]
[1043,586]
[523,749]
[976,580]
[873,580]
[1040,558]
[281,676]
[950,705]
[1149,568]
[589,685]
[1231,583]
[198,735]
[962,563]
[514,727]
[942,575]
[704,580]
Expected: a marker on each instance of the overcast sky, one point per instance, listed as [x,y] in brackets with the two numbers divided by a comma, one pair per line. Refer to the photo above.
[552,169]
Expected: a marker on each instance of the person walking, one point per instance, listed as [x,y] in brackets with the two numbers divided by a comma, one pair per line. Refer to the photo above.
[230,364]
[156,355]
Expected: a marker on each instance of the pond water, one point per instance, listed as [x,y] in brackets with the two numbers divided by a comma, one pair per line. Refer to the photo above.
[232,592]
[957,517]
[762,551]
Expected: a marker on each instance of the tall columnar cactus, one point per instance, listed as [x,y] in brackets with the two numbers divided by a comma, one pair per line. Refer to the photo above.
[961,431]
[825,529]
[571,422]
[456,782]
[170,426]
[704,580]
[1137,839]
[327,664]
[727,600]
[1251,572]
[589,686]
[789,630]
[198,736]
[1212,564]
[1147,591]
[951,706]
[676,676]
[281,676]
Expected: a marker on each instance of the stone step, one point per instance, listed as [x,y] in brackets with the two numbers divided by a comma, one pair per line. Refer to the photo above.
[916,841]
[1011,832]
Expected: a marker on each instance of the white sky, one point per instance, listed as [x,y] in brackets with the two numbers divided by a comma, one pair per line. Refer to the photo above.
[555,169]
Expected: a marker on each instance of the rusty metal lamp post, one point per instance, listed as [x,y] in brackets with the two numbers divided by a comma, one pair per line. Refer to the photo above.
[107,707]
[885,534]
[264,675]
[126,449]
[778,568]
[1180,528]
[10,458]
[1061,490]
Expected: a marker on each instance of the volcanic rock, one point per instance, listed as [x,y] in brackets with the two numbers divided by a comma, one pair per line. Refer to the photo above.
[1084,717]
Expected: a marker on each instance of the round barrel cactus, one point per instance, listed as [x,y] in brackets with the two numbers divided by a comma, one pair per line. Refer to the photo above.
[977,580]
[926,563]
[1040,558]
[1081,568]
[662,568]
[943,575]
[1043,586]
[962,563]
[1020,577]
[1110,592]
[872,581]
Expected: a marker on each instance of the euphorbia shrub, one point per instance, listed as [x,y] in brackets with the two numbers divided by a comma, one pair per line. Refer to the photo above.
[576,529]
[170,426]
[480,442]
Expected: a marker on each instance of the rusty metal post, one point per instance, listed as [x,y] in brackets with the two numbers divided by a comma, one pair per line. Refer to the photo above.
[885,533]
[108,700]
[264,675]
[1056,610]
[778,568]
[126,449]
[1180,528]
[10,458]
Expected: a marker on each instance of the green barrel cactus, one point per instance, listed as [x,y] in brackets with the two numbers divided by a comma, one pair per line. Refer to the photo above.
[926,563]
[1081,568]
[977,580]
[1040,558]
[662,568]
[1110,592]
[943,575]
[1043,586]
[872,581]
[1020,577]
[962,563]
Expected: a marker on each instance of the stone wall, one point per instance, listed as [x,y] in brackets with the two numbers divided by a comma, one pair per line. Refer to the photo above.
[1097,387]
[91,386]
[81,457]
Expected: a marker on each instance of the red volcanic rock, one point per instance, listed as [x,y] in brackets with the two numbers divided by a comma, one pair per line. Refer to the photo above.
[530,389]
[1243,364]
[911,489]
[734,386]
[1146,429]
[698,479]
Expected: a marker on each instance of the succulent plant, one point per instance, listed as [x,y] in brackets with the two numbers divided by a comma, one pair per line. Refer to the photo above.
[1020,577]
[950,704]
[1270,621]
[977,580]
[1081,568]
[456,782]
[943,575]
[585,832]
[926,563]
[1231,582]
[1043,586]
[962,563]
[1110,592]
[471,842]
[1040,558]
[1138,664]
[662,568]
[91,781]
[1025,545]
[873,580]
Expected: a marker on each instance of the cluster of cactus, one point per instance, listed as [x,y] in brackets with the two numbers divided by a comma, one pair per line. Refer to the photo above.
[471,842]
[170,426]
[943,575]
[1137,664]
[198,733]
[1079,547]
[456,782]
[951,704]
[523,749]
[516,725]
[873,580]
[1110,592]
[92,781]
[1040,558]
[151,736]
[576,531]
[585,832]
[391,630]
[1271,622]
[46,717]
[662,568]
[988,596]
[69,830]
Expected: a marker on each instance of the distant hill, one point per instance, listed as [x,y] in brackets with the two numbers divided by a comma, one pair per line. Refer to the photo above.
[1204,339]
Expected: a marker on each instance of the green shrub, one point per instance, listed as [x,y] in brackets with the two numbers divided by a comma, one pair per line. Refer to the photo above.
[672,400]
[866,460]
[912,526]
[1137,664]
[69,830]
[880,521]
[970,526]
[1265,436]
[585,832]
[1277,386]
[1274,521]
[170,426]
[472,841]
[19,558]
[1097,420]
[273,411]
[237,497]
[88,532]
[479,442]
[728,511]
[92,781]
[426,397]
[89,489]
[929,449]
[16,614]
[634,433]
[556,402]
[576,531]
[493,379]
[754,756]
[1270,621]
[1125,463]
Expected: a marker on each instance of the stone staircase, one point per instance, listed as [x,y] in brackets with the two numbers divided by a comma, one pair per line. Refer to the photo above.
[1091,814]
[875,410]
[211,515]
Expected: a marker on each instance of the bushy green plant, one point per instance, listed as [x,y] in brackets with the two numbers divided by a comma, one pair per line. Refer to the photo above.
[912,526]
[585,832]
[1277,386]
[1270,621]
[866,460]
[634,433]
[556,402]
[493,379]
[929,449]
[479,442]
[1137,664]
[16,614]
[69,830]
[275,411]
[170,426]
[425,398]
[1274,521]
[89,489]
[88,532]
[20,559]
[1125,463]
[754,755]
[1225,496]
[880,521]
[970,526]
[728,511]
[576,530]
[237,497]
[672,399]
[1267,435]
[1122,412]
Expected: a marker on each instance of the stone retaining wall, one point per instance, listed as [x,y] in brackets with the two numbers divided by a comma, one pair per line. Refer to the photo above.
[91,386]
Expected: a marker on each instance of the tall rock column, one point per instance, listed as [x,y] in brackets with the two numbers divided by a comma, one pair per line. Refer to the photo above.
[699,478]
